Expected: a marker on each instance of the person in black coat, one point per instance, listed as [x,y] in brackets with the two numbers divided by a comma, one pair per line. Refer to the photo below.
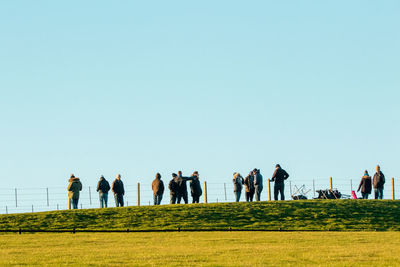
[195,187]
[173,188]
[103,187]
[365,185]
[279,177]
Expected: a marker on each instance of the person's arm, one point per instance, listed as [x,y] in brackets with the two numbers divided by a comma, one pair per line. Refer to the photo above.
[286,175]
[113,187]
[80,186]
[162,187]
[69,186]
[274,175]
[98,187]
[383,179]
[123,189]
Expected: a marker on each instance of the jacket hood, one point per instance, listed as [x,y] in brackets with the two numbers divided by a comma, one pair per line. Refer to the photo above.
[366,176]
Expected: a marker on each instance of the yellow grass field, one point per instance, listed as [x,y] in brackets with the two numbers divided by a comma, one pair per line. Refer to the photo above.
[202,249]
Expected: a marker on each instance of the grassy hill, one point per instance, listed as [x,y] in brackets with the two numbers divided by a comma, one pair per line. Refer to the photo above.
[346,215]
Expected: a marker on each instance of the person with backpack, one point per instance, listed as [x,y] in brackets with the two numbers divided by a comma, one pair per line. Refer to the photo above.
[237,185]
[119,191]
[249,187]
[279,177]
[258,184]
[73,188]
[158,189]
[378,183]
[195,187]
[103,187]
[365,185]
[173,188]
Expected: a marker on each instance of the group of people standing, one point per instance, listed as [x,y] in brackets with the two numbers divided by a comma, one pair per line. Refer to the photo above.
[103,187]
[253,184]
[377,183]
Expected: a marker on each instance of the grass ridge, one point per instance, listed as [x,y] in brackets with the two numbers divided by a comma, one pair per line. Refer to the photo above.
[312,215]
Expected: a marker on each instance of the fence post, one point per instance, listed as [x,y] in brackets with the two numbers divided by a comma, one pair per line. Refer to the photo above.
[392,188]
[47,193]
[313,186]
[16,198]
[138,194]
[6,210]
[225,191]
[57,206]
[81,206]
[32,208]
[330,183]
[269,189]
[205,192]
[90,196]
[351,185]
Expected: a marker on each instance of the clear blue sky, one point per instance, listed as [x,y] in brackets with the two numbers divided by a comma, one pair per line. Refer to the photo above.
[139,87]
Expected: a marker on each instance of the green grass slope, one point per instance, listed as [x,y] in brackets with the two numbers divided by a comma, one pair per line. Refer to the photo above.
[350,215]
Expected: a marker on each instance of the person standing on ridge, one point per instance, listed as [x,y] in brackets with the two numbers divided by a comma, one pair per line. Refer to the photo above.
[195,187]
[182,187]
[279,177]
[249,187]
[103,187]
[378,183]
[74,187]
[173,188]
[237,185]
[258,183]
[119,191]
[365,185]
[158,189]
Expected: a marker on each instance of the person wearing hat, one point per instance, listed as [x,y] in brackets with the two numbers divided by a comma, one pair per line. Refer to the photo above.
[279,177]
[73,188]
[119,191]
[365,185]
[103,187]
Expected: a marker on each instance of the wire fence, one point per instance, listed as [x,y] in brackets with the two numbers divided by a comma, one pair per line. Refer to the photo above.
[22,200]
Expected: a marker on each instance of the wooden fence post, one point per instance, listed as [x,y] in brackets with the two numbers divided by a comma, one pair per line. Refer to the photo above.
[330,183]
[205,192]
[138,194]
[269,189]
[393,188]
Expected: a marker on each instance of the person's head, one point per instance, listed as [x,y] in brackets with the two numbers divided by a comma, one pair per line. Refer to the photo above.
[277,166]
[179,173]
[378,168]
[118,176]
[101,177]
[254,170]
[158,176]
[196,173]
[72,175]
[366,173]
[174,175]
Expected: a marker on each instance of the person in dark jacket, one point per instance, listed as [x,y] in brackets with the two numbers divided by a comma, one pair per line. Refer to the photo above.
[74,187]
[158,189]
[119,191]
[103,187]
[195,187]
[249,187]
[279,177]
[378,182]
[237,185]
[258,183]
[173,188]
[365,185]
[182,187]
